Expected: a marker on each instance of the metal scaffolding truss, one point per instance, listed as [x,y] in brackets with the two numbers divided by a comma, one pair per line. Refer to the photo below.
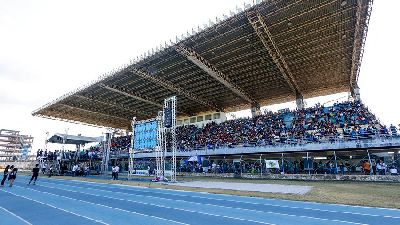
[132,95]
[361,30]
[106,150]
[131,167]
[260,27]
[197,59]
[170,103]
[172,87]
[162,141]
[159,150]
[13,144]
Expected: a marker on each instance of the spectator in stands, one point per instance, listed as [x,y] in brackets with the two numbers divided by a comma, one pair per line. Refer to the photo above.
[393,170]
[5,175]
[341,167]
[383,168]
[366,167]
[393,130]
[379,167]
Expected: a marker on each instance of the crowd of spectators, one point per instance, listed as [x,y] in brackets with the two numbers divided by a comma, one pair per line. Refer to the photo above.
[93,153]
[315,124]
[342,121]
[49,155]
[121,144]
[292,166]
[348,120]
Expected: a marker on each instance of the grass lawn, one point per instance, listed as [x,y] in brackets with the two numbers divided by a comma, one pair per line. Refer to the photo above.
[341,192]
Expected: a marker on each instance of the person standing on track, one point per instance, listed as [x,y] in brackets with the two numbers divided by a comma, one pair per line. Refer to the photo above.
[116,171]
[35,174]
[50,171]
[5,175]
[112,173]
[12,176]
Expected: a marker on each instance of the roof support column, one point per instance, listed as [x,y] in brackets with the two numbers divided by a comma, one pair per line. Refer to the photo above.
[299,101]
[255,110]
[355,93]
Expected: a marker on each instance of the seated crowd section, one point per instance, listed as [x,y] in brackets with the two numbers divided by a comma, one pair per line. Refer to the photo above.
[348,120]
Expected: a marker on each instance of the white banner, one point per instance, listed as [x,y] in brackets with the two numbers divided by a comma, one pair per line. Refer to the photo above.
[142,172]
[272,164]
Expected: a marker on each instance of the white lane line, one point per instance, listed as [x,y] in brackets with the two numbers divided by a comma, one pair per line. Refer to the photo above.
[20,218]
[196,203]
[109,207]
[55,207]
[162,206]
[252,203]
[208,204]
[266,204]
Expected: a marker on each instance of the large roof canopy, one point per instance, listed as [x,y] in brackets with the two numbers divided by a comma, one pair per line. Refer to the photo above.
[267,53]
[72,139]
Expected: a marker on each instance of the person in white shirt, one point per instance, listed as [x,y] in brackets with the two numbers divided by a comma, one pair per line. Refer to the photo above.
[379,168]
[74,168]
[383,168]
[393,171]
[116,172]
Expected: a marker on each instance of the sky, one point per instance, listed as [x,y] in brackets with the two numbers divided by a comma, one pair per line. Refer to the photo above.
[49,48]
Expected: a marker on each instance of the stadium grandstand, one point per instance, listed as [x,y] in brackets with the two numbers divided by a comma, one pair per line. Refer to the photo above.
[266,53]
[14,146]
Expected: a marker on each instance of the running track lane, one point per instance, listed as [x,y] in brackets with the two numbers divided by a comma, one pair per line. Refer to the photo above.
[118,204]
[271,206]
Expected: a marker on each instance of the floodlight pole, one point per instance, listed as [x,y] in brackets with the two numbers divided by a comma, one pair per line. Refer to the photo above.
[132,151]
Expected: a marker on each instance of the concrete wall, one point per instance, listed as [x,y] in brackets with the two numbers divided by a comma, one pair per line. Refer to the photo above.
[186,120]
[305,177]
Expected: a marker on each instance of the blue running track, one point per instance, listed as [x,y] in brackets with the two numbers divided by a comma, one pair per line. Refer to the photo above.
[64,202]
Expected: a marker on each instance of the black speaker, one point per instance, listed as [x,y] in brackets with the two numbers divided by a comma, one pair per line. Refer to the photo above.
[167,117]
